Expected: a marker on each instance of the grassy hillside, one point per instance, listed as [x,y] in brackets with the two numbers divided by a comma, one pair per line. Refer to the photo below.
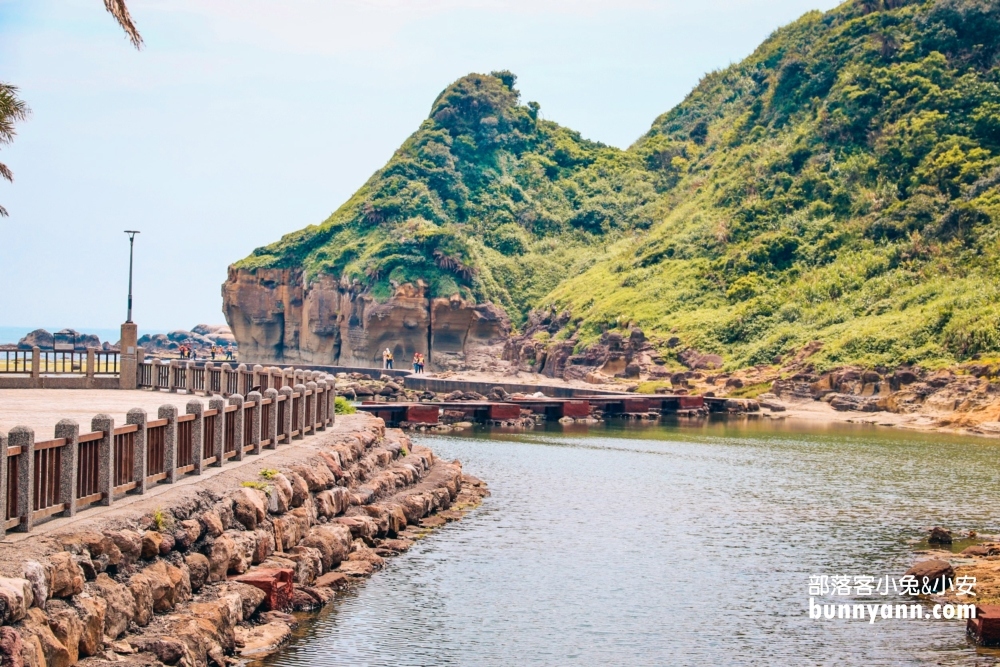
[842,184]
[485,199]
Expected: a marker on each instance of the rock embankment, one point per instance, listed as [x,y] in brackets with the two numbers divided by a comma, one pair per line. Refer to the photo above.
[209,577]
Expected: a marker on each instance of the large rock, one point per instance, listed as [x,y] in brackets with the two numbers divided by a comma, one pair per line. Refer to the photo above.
[66,626]
[67,576]
[939,535]
[207,630]
[128,542]
[317,476]
[262,639]
[168,650]
[932,574]
[300,489]
[198,569]
[92,611]
[40,577]
[151,541]
[142,593]
[11,647]
[250,597]
[280,500]
[249,507]
[120,604]
[220,554]
[188,532]
[332,541]
[36,624]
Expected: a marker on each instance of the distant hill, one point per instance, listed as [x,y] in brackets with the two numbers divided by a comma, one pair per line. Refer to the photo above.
[841,184]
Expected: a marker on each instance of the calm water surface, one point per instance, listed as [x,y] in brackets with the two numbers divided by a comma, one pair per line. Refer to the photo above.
[667,545]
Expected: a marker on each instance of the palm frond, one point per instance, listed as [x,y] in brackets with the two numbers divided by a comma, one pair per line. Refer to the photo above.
[12,110]
[120,12]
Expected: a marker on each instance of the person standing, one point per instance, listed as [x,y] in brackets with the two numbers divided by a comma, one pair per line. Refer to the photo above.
[388,361]
[416,362]
[385,358]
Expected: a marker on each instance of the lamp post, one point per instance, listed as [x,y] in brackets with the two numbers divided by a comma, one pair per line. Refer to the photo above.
[131,243]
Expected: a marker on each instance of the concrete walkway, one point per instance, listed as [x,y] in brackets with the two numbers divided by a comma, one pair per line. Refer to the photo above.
[41,409]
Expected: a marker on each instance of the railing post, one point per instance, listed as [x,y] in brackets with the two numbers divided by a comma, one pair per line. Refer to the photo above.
[138,416]
[69,429]
[189,376]
[243,383]
[255,397]
[313,404]
[3,485]
[238,417]
[219,404]
[172,376]
[286,391]
[91,360]
[257,380]
[105,457]
[288,377]
[154,374]
[24,437]
[271,427]
[36,362]
[207,370]
[140,358]
[322,414]
[197,408]
[227,370]
[169,412]
[300,389]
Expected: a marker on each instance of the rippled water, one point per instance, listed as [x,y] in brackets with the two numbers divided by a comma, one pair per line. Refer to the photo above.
[667,545]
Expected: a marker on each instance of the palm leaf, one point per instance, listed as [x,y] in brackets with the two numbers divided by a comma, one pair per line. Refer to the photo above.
[120,12]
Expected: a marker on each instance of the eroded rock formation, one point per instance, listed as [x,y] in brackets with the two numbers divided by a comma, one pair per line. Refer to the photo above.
[277,317]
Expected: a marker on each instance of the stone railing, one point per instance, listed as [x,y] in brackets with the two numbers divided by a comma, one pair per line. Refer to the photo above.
[73,471]
[57,369]
[209,378]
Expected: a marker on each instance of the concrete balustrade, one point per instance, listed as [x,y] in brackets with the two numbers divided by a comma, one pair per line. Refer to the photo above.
[59,477]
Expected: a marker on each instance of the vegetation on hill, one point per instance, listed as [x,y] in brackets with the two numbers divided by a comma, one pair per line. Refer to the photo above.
[841,184]
[486,199]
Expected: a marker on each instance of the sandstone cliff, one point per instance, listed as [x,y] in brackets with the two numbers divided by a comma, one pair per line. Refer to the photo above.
[278,317]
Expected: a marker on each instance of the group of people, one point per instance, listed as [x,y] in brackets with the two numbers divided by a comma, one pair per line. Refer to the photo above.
[188,352]
[218,349]
[418,360]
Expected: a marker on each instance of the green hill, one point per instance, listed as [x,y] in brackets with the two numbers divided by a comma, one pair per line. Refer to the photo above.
[841,184]
[485,199]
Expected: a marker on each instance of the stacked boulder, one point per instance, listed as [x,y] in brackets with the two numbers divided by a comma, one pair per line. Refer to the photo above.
[196,583]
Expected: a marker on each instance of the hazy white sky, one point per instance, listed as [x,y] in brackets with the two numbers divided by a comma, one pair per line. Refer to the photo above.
[242,120]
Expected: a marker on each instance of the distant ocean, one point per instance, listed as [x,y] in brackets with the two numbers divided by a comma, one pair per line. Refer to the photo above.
[14,334]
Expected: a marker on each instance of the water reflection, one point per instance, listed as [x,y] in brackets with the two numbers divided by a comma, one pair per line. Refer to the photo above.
[681,544]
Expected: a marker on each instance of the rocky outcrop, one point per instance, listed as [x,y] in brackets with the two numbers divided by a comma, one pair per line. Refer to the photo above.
[200,339]
[44,340]
[208,580]
[277,316]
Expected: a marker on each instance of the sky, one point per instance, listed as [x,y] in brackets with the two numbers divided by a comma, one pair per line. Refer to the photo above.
[242,120]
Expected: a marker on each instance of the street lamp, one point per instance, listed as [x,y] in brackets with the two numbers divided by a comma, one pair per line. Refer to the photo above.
[131,242]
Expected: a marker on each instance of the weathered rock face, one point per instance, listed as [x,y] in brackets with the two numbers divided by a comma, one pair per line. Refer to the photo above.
[277,318]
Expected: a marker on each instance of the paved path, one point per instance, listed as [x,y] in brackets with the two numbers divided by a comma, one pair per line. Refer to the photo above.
[41,409]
